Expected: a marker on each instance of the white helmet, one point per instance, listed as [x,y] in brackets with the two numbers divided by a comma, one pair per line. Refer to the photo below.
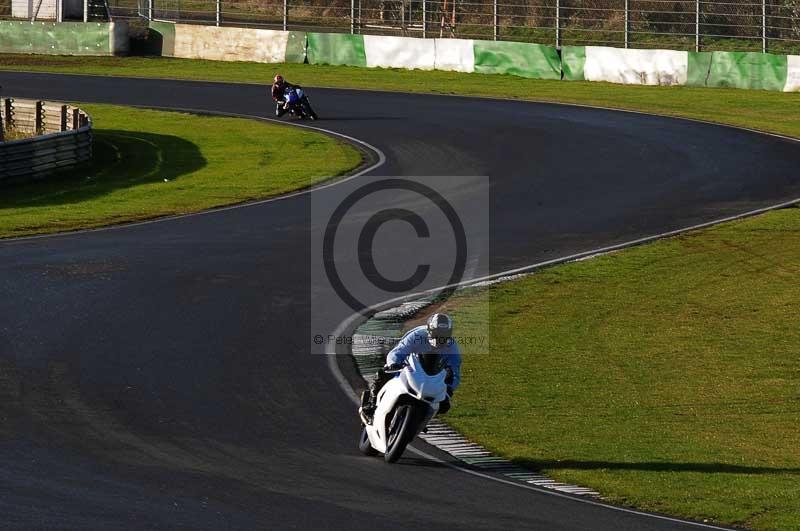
[440,329]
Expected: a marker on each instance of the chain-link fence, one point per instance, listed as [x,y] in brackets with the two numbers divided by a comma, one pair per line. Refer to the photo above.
[749,25]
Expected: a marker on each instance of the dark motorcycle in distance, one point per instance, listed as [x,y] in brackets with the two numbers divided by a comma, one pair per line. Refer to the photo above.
[297,104]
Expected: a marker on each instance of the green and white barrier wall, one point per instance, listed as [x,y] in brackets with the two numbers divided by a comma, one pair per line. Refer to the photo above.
[792,74]
[589,63]
[455,55]
[747,70]
[64,38]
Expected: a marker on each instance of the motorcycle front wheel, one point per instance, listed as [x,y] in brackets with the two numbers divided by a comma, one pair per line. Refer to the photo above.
[402,431]
[308,110]
[364,445]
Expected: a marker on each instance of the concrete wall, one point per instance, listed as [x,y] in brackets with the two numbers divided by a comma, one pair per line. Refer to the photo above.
[65,38]
[230,44]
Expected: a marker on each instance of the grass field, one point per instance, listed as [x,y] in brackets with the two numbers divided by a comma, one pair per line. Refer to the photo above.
[665,376]
[150,163]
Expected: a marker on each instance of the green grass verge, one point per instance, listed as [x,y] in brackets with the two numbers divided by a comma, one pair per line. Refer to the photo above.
[769,111]
[151,163]
[664,376]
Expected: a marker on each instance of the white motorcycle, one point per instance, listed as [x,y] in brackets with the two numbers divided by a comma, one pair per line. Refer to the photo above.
[404,407]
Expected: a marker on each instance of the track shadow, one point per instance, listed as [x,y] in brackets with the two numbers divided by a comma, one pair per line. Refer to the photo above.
[121,159]
[419,462]
[706,468]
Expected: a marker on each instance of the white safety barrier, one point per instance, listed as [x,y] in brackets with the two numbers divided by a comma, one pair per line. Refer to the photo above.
[456,55]
[792,74]
[400,52]
[230,44]
[636,67]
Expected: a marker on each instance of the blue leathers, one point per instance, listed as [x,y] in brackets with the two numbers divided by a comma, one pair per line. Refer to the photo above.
[416,342]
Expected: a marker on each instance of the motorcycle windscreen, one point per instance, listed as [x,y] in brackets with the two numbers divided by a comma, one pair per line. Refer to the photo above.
[431,363]
[425,387]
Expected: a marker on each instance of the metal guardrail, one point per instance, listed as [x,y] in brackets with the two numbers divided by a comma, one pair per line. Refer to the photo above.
[748,25]
[58,136]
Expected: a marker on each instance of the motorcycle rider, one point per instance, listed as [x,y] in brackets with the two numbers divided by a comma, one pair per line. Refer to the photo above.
[434,337]
[279,88]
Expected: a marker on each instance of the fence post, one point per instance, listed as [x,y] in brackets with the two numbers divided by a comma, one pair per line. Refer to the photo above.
[64,113]
[627,23]
[352,17]
[495,21]
[149,9]
[285,14]
[558,23]
[697,25]
[76,119]
[764,26]
[218,10]
[39,117]
[86,10]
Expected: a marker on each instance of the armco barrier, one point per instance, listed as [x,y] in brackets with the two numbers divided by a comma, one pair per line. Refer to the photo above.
[214,43]
[64,38]
[64,138]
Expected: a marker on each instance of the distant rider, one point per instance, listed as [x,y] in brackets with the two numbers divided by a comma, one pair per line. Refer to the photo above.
[434,337]
[279,88]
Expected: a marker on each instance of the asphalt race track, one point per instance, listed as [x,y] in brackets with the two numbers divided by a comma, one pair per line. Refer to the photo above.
[158,375]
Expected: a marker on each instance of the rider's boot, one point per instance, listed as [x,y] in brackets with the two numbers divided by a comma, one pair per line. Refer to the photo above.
[367,409]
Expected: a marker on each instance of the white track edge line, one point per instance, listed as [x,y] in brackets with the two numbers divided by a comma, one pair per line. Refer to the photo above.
[561,495]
